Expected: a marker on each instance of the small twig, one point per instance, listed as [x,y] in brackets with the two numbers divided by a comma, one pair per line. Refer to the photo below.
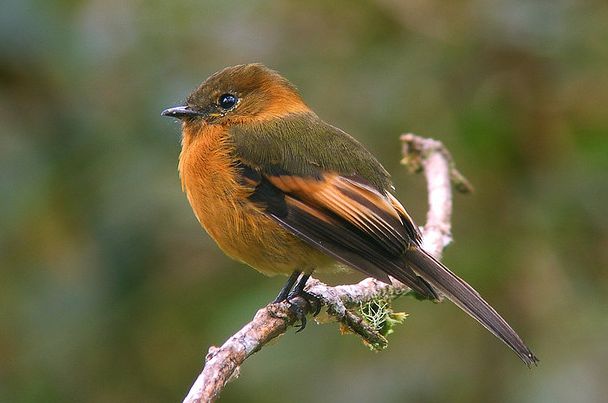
[223,363]
[432,157]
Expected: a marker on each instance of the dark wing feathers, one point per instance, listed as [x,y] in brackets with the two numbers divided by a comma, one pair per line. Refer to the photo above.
[348,244]
[355,231]
[364,208]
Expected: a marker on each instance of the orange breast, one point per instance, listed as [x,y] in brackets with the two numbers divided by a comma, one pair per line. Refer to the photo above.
[220,203]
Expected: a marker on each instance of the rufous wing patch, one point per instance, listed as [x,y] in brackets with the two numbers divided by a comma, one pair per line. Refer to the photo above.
[349,220]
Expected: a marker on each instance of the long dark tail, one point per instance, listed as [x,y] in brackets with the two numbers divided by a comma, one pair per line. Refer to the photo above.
[468,300]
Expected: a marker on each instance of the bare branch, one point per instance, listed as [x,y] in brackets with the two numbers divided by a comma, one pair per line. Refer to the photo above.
[436,162]
[223,363]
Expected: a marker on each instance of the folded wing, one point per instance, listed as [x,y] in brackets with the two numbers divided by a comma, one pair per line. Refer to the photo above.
[344,217]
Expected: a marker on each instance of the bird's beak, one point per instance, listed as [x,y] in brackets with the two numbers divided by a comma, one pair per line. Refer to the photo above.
[180,112]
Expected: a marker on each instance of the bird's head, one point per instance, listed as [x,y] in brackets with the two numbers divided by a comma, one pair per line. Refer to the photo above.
[240,94]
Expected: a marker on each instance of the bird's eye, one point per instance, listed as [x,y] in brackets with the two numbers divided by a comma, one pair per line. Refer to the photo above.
[227,101]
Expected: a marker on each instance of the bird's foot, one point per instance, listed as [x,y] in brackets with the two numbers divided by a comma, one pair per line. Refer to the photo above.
[300,301]
[311,303]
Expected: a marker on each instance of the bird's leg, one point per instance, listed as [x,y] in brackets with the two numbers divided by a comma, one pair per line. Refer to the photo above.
[298,291]
[293,288]
[311,300]
[285,291]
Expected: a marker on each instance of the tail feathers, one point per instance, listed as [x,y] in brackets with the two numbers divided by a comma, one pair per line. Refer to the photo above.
[469,300]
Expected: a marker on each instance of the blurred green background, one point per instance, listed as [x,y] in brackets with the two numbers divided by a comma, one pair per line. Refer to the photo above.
[111,292]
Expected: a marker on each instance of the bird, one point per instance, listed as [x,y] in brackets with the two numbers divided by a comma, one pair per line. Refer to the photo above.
[281,190]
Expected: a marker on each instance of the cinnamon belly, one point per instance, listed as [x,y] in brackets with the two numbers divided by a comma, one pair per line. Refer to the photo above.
[239,227]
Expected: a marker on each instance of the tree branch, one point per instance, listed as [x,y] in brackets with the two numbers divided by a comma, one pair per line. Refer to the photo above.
[223,363]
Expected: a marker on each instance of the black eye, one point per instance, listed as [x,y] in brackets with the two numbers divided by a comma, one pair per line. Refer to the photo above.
[227,101]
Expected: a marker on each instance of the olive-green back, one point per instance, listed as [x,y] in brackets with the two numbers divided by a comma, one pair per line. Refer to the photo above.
[304,145]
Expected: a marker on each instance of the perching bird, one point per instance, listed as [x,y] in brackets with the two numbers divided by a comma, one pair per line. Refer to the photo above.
[286,193]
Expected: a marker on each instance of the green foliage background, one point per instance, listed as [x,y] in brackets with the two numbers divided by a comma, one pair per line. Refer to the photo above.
[110,291]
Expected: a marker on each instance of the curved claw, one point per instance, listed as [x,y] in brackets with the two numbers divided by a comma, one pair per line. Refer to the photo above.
[302,324]
[313,301]
[299,312]
[290,292]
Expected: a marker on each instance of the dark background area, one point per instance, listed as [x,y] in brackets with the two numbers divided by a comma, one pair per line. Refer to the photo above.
[111,292]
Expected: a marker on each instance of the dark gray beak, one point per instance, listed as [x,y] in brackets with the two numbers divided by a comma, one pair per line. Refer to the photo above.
[180,112]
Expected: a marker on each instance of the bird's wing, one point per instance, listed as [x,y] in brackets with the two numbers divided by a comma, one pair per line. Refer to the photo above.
[344,217]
